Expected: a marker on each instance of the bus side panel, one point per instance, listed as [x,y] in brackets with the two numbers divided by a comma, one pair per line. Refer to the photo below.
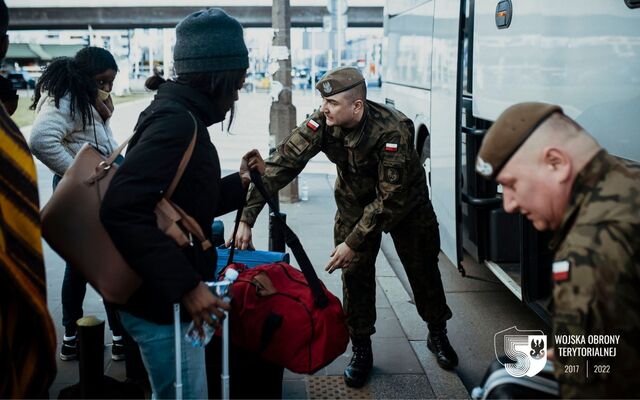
[413,102]
[408,54]
[408,47]
[581,54]
[443,121]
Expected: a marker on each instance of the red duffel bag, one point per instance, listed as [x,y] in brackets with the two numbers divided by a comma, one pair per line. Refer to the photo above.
[274,314]
[284,314]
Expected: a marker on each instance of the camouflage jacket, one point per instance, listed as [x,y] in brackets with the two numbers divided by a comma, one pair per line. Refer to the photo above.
[380,178]
[596,275]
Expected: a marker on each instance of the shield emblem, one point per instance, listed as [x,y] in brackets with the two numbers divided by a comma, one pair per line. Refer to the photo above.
[526,351]
[392,175]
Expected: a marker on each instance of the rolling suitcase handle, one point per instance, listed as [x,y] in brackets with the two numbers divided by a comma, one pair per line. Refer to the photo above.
[320,298]
[178,350]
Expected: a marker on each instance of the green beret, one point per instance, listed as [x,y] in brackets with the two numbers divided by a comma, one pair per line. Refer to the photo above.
[339,80]
[508,133]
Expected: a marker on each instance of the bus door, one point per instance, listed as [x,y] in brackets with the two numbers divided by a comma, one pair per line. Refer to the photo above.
[445,124]
[506,243]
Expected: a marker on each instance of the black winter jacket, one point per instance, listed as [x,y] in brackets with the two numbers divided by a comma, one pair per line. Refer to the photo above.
[163,133]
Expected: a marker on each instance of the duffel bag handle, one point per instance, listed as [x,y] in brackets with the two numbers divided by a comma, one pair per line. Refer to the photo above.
[320,298]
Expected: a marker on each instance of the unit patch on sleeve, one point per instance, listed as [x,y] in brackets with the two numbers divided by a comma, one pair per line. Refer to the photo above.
[313,125]
[561,270]
[392,175]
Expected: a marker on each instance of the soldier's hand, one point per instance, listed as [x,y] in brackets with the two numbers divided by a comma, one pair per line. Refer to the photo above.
[251,161]
[341,257]
[243,239]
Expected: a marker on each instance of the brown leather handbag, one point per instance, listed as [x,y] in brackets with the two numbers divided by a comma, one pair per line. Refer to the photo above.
[72,227]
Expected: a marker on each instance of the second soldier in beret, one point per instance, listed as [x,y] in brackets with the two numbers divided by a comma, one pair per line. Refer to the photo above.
[381,186]
[554,173]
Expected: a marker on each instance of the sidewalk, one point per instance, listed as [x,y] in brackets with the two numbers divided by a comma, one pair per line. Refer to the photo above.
[403,367]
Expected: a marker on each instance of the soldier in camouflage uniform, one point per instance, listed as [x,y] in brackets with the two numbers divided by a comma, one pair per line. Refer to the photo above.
[381,186]
[557,175]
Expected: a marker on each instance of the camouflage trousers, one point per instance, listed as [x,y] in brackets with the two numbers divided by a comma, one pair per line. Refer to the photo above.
[417,241]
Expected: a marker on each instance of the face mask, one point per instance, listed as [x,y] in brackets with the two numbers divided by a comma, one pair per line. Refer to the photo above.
[102,95]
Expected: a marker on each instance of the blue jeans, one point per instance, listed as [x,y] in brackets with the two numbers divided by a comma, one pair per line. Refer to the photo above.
[157,346]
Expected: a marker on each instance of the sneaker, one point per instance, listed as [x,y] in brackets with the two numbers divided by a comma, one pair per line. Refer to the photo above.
[117,348]
[68,351]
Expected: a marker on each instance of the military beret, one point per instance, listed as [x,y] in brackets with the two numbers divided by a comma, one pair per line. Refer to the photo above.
[508,133]
[339,80]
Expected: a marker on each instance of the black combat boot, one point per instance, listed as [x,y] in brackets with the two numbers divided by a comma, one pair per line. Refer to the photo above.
[359,368]
[439,345]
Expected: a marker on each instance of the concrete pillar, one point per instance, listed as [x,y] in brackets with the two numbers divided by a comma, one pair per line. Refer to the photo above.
[338,15]
[167,54]
[150,43]
[282,116]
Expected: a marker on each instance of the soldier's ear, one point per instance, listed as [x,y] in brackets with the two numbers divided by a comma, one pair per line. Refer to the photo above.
[558,163]
[358,105]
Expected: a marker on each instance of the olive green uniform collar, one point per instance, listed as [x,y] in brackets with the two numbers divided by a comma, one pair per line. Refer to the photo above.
[586,180]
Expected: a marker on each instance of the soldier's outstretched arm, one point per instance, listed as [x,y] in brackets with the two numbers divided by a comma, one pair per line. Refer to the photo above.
[290,157]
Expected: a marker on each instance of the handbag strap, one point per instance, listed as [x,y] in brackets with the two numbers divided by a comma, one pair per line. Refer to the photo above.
[320,297]
[185,160]
[181,167]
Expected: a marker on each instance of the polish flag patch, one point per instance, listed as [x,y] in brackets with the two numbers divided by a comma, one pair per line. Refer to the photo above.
[391,147]
[561,270]
[313,125]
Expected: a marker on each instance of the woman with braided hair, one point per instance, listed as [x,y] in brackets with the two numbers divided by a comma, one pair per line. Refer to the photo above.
[73,105]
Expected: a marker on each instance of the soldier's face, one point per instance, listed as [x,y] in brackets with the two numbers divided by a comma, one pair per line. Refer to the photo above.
[529,189]
[339,110]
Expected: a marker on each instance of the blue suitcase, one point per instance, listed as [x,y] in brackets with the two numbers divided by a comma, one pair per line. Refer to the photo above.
[251,258]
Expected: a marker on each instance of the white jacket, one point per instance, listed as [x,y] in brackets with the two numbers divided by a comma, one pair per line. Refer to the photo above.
[56,138]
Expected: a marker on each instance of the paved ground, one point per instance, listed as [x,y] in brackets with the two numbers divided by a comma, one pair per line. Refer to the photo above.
[403,366]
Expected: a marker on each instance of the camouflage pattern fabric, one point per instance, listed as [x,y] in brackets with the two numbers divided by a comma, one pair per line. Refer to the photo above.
[381,186]
[417,241]
[600,295]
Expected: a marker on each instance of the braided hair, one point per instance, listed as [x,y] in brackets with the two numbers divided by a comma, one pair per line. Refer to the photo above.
[74,75]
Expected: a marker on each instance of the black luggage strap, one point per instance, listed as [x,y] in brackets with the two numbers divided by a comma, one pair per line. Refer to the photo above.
[319,296]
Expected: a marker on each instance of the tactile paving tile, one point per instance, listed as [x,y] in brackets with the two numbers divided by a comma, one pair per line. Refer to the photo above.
[333,387]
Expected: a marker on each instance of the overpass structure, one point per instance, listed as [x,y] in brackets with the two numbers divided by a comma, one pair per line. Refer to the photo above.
[43,18]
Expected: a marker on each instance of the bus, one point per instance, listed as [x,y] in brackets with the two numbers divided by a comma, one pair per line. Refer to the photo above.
[453,66]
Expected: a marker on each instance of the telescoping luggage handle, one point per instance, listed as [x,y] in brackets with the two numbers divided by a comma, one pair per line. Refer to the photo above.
[320,298]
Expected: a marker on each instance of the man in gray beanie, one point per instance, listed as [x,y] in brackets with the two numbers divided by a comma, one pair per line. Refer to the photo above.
[209,40]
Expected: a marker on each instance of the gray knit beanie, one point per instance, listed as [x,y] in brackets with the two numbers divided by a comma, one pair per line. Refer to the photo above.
[209,40]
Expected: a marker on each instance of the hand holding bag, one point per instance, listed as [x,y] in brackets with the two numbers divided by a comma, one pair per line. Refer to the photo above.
[72,227]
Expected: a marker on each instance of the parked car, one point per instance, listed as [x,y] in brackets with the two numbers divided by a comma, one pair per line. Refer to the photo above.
[300,77]
[21,80]
[257,80]
[319,74]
